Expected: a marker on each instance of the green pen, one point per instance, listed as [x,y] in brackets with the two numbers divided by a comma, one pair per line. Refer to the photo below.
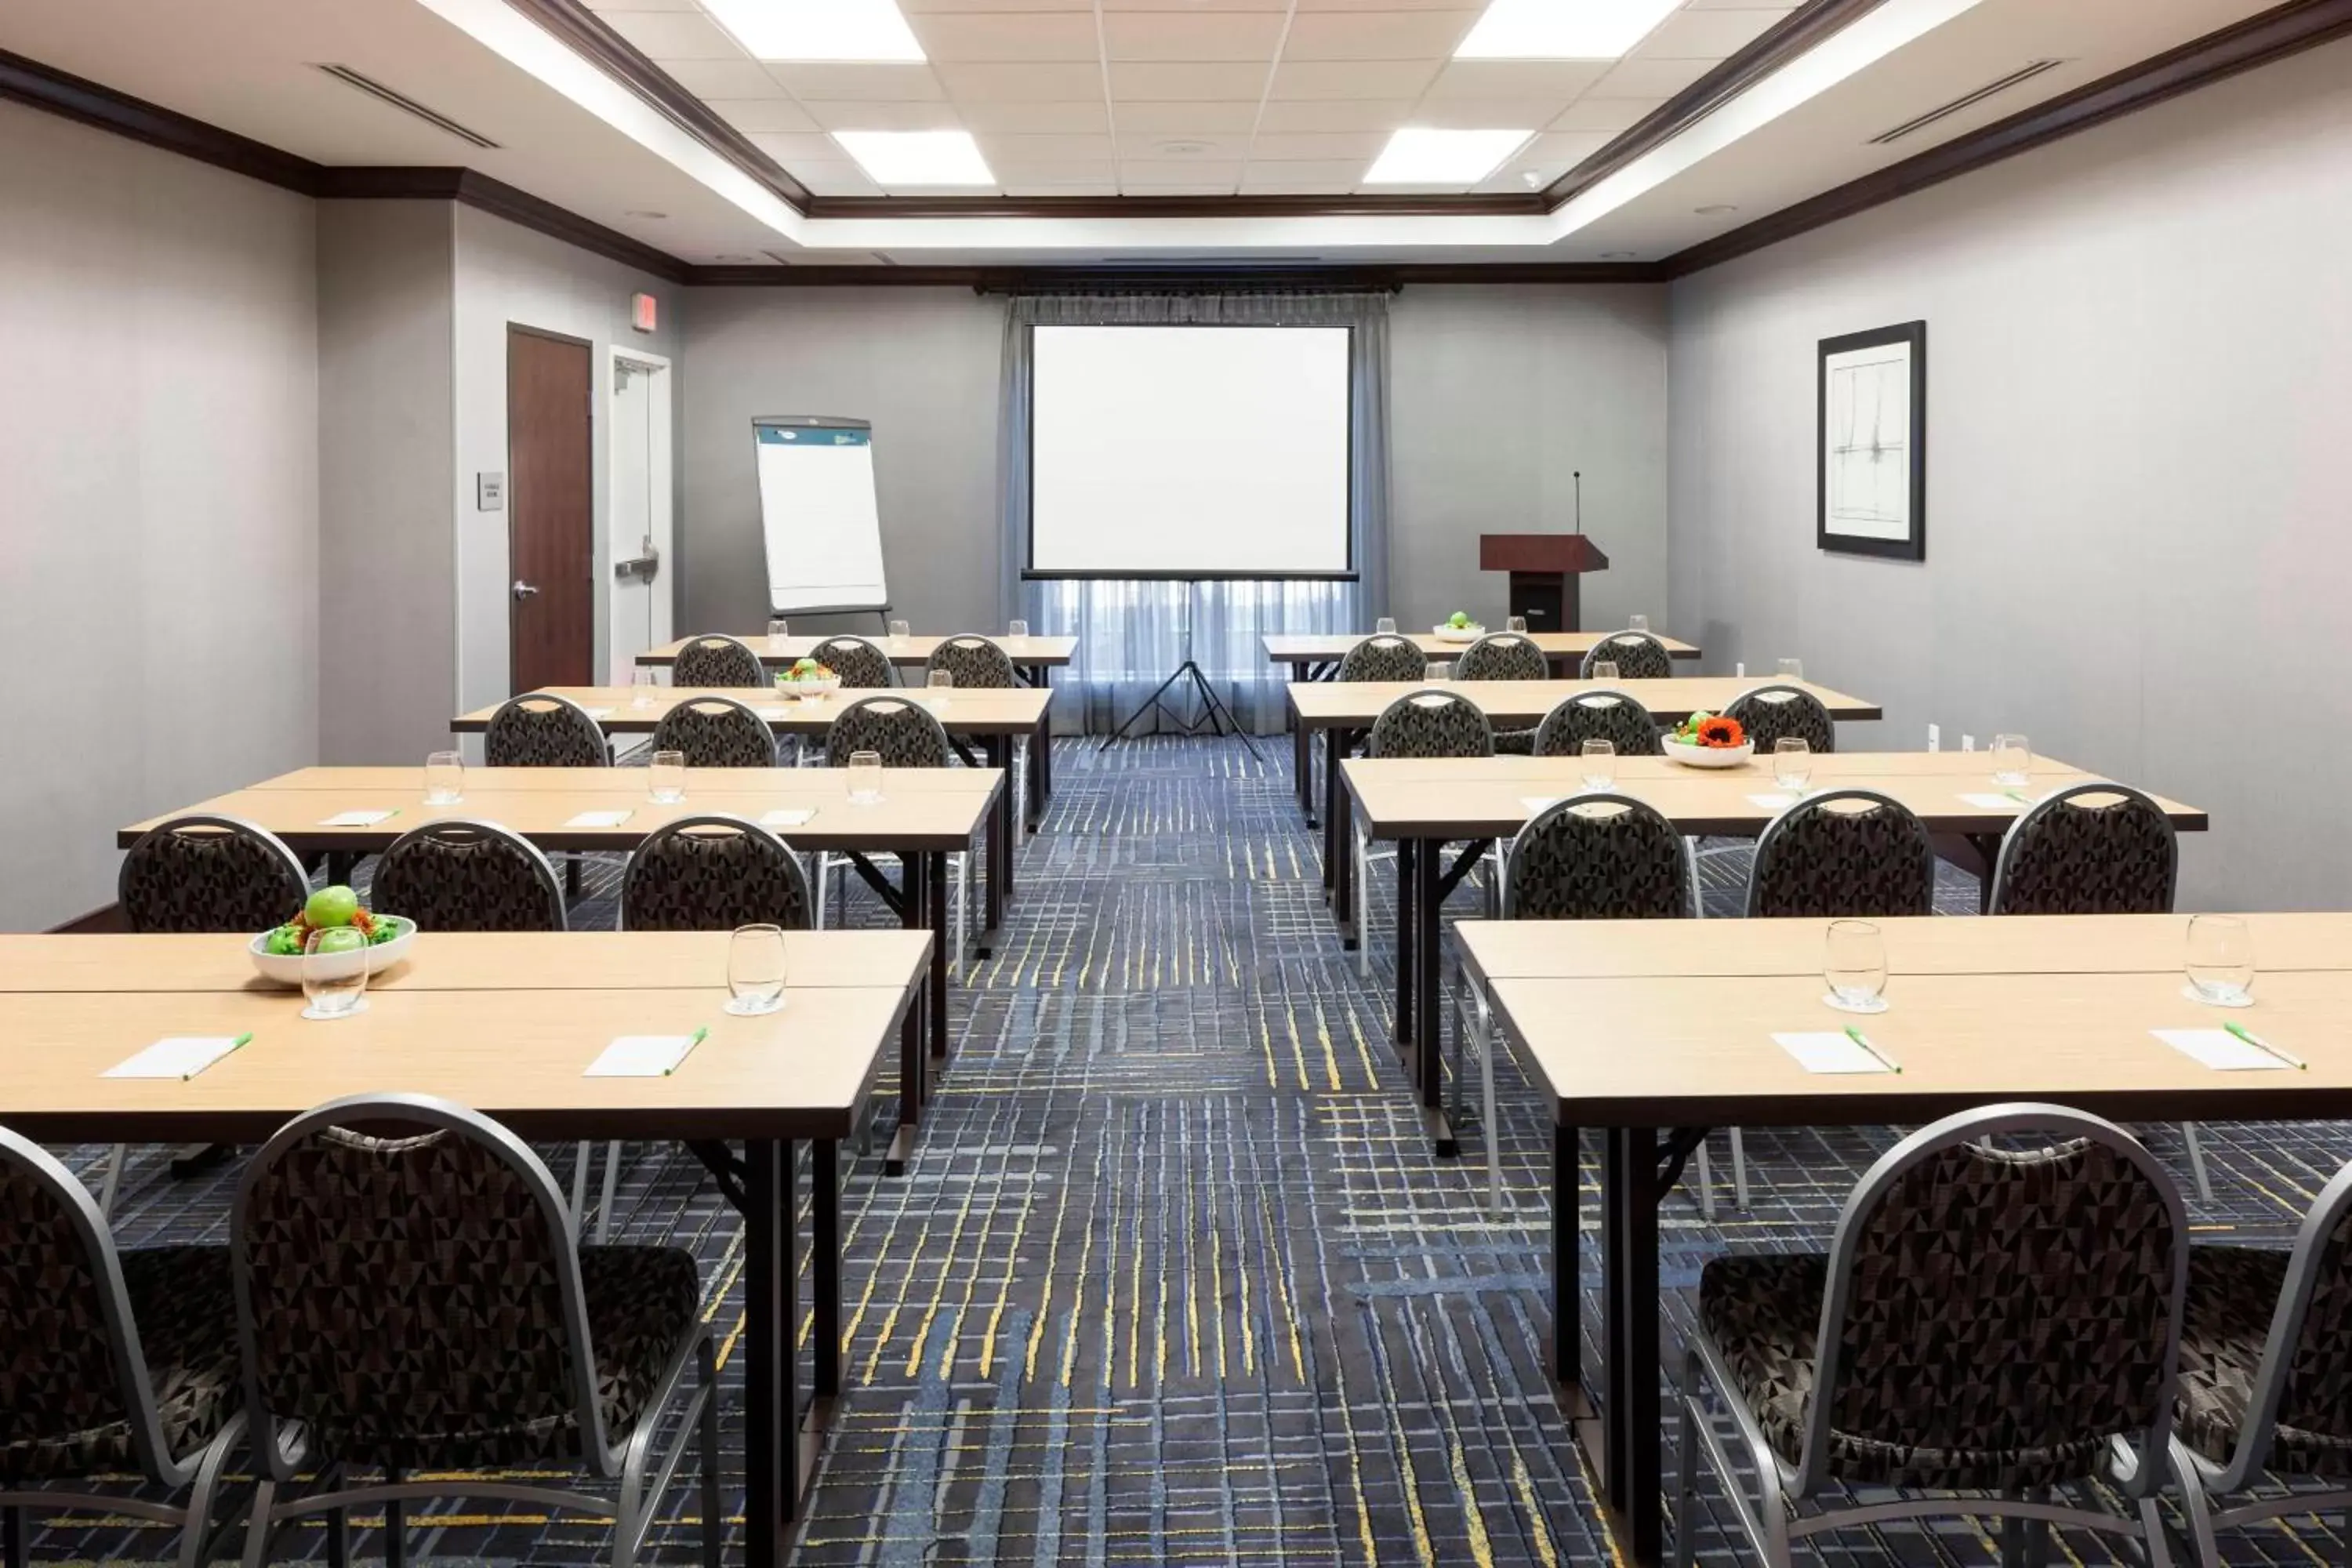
[2017,795]
[1875,1054]
[235,1045]
[692,1040]
[2262,1044]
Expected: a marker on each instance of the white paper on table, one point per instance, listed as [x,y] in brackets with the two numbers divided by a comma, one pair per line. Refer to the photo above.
[597,819]
[177,1056]
[1537,804]
[772,712]
[2220,1050]
[643,1056]
[1825,1052]
[598,712]
[787,816]
[357,818]
[1772,802]
[1996,802]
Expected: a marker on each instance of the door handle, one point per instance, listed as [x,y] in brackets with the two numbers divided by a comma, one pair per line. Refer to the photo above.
[523,590]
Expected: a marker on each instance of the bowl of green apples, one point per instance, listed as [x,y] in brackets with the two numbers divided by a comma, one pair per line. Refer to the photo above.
[1458,627]
[348,932]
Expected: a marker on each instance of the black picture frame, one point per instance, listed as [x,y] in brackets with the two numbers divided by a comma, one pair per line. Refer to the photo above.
[1913,545]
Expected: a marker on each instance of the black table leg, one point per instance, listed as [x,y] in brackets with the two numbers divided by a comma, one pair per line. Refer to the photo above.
[1427,893]
[996,749]
[1566,1261]
[1408,853]
[771,1464]
[1340,825]
[1332,847]
[1632,1471]
[936,877]
[825,1265]
[915,914]
[1302,755]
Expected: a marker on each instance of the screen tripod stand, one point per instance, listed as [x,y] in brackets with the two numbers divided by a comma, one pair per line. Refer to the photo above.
[1214,715]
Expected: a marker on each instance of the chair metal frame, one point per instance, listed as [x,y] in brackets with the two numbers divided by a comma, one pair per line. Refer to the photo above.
[1769,1524]
[750,652]
[200,1471]
[282,1451]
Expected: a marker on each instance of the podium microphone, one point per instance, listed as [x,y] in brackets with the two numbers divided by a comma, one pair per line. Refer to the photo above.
[1578,475]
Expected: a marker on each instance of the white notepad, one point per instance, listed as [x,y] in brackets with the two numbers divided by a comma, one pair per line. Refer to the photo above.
[789,816]
[357,818]
[771,713]
[598,712]
[1540,803]
[2220,1050]
[597,819]
[1827,1052]
[177,1056]
[1995,803]
[1772,802]
[644,1056]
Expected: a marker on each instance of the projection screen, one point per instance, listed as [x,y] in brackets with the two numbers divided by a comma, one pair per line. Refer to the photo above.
[1194,452]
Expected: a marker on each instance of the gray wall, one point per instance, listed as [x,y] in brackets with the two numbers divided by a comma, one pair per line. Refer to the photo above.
[2138,394]
[159,439]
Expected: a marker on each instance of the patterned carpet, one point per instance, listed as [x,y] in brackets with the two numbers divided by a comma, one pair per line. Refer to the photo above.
[1176,1279]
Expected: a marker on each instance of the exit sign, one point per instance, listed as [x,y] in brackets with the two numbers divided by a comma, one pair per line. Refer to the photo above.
[644,312]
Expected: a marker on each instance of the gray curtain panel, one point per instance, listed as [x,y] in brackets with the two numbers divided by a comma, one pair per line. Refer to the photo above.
[1131,634]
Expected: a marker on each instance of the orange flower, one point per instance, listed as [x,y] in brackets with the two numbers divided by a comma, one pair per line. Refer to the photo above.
[1719,730]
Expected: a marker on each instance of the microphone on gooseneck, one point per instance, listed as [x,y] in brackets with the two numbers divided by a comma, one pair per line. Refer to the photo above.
[1578,475]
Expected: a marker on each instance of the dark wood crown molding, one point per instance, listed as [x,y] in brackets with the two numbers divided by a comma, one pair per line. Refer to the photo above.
[2272,34]
[1203,276]
[1502,205]
[37,86]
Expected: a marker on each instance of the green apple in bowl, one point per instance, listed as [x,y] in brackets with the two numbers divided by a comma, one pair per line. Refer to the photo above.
[1458,620]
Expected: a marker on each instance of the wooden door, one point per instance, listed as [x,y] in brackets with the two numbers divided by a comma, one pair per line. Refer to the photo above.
[551,599]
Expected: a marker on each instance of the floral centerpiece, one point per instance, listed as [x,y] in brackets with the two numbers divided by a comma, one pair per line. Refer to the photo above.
[1709,741]
[809,678]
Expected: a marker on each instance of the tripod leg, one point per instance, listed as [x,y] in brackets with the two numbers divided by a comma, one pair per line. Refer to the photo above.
[1216,710]
[1147,704]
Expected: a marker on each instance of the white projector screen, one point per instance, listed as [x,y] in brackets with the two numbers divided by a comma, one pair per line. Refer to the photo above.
[1189,452]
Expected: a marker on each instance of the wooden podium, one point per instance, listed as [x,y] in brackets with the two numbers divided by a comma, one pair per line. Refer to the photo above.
[1544,568]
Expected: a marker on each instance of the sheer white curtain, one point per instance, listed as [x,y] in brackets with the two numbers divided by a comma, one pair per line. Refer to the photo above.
[1132,634]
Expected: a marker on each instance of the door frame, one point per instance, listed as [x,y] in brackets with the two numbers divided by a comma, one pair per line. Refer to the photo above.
[507,446]
[660,477]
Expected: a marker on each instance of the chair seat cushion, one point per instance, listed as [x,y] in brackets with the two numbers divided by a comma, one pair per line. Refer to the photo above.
[1515,742]
[2232,1292]
[186,1310]
[1764,1315]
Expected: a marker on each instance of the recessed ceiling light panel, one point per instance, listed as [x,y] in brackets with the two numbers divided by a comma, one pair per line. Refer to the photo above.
[1562,29]
[817,29]
[893,158]
[1421,156]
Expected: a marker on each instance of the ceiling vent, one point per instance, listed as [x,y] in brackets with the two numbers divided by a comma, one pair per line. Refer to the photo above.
[405,104]
[2025,72]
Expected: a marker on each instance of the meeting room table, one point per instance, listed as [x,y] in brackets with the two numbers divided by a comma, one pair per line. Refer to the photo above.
[508,1024]
[924,815]
[1646,1033]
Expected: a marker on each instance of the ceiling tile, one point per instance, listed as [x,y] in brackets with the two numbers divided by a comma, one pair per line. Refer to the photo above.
[1525,81]
[841,82]
[1376,34]
[735,79]
[675,35]
[644,6]
[843,179]
[1274,180]
[1187,173]
[1547,157]
[762,113]
[1600,113]
[1280,175]
[852,114]
[1169,83]
[1078,116]
[1134,145]
[1204,120]
[1651,79]
[1001,150]
[1484,113]
[1186,35]
[1035,37]
[1307,5]
[1110,5]
[1053,180]
[1782,5]
[956,8]
[1358,146]
[1705,35]
[1352,78]
[795,148]
[1066,83]
[1337,115]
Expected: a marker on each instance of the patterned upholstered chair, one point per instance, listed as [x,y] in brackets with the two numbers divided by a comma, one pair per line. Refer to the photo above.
[1986,1322]
[904,735]
[858,662]
[2265,1359]
[210,874]
[1505,656]
[416,1304]
[1769,712]
[716,731]
[1843,852]
[714,873]
[541,730]
[1599,714]
[463,875]
[1638,656]
[1433,722]
[1384,656]
[972,660]
[714,658]
[112,1362]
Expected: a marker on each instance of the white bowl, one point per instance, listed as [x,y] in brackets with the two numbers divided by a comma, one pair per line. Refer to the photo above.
[1457,634]
[823,686]
[286,969]
[1709,756]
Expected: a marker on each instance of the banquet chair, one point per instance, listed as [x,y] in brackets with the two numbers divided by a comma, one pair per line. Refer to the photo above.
[904,735]
[1598,714]
[714,658]
[715,731]
[1432,722]
[541,730]
[1505,656]
[976,663]
[1843,854]
[1638,656]
[1770,713]
[856,660]
[1384,656]
[463,875]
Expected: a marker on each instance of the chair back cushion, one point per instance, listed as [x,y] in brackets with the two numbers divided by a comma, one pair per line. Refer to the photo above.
[713,873]
[717,733]
[210,874]
[1433,723]
[540,729]
[857,661]
[973,661]
[60,1387]
[1502,656]
[2093,849]
[714,658]
[1638,656]
[1844,852]
[904,733]
[1384,657]
[467,875]
[1601,715]
[1768,713]
[1598,856]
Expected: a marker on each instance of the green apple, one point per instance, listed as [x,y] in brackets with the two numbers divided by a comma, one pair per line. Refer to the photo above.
[341,938]
[332,906]
[1459,620]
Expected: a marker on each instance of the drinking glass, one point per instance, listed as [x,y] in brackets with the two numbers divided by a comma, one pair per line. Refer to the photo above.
[778,629]
[445,778]
[899,630]
[1604,669]
[1017,629]
[641,688]
[334,972]
[755,970]
[2220,961]
[667,777]
[1517,624]
[941,683]
[865,778]
[1600,761]
[1793,669]
[2012,761]
[1385,626]
[1637,623]
[1793,763]
[1854,964]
